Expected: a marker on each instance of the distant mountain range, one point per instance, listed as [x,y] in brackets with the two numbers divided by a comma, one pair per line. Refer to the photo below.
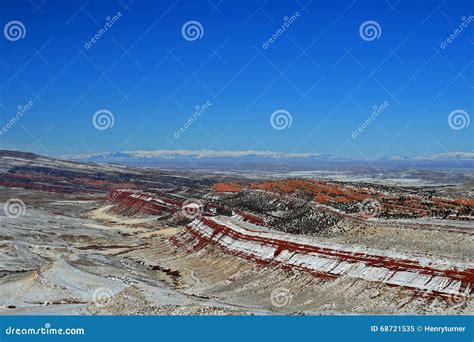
[251,159]
[446,169]
[209,154]
[443,156]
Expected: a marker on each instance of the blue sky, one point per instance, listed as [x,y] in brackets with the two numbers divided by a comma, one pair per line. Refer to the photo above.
[319,70]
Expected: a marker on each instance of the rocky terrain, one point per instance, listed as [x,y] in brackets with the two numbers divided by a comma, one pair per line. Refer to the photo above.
[85,238]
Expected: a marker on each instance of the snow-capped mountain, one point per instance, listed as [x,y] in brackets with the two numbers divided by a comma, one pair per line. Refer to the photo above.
[270,160]
[212,154]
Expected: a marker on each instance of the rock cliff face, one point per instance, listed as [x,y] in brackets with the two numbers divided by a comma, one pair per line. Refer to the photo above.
[423,275]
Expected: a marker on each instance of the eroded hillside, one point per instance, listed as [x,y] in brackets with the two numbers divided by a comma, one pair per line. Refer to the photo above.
[102,239]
